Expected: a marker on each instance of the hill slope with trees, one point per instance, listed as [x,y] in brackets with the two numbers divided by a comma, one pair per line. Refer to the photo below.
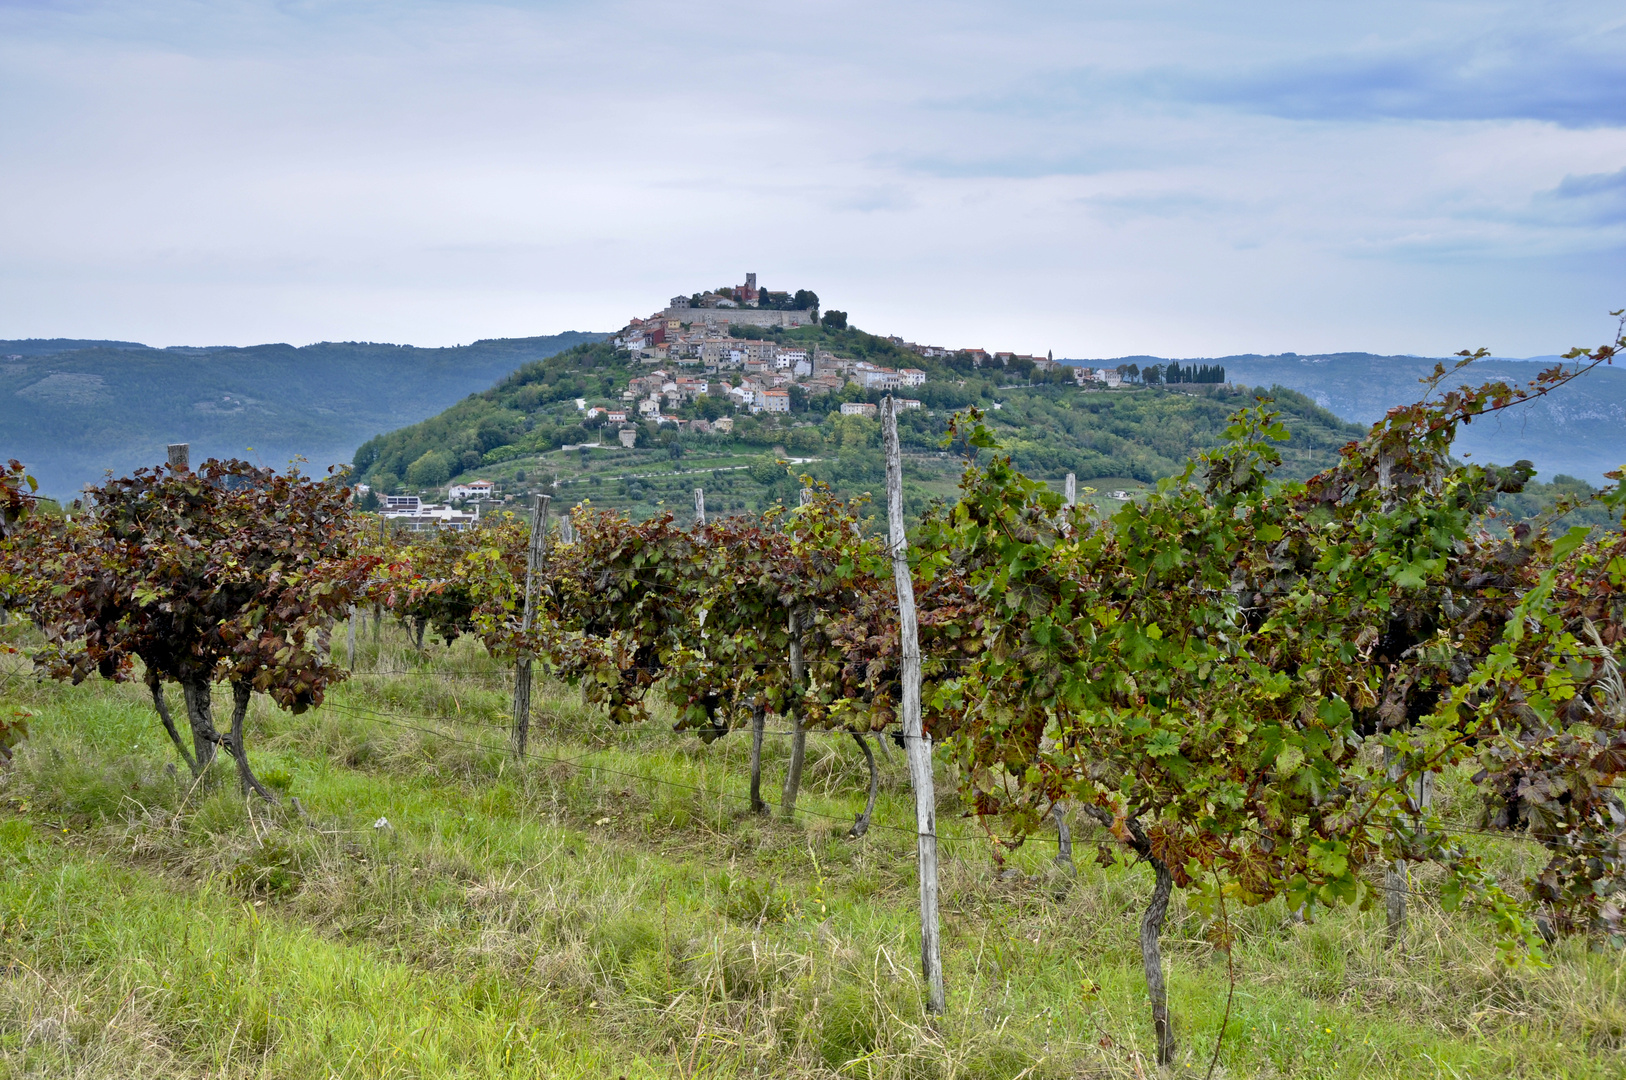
[1575,430]
[516,432]
[74,409]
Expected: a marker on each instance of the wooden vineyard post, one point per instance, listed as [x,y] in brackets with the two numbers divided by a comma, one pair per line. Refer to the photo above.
[1064,835]
[798,734]
[179,455]
[378,605]
[918,745]
[522,671]
[1396,879]
[350,639]
[699,508]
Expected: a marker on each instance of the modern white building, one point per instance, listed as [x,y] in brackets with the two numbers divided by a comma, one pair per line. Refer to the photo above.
[414,515]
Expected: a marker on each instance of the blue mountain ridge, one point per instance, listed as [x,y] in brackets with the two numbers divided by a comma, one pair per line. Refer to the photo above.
[71,410]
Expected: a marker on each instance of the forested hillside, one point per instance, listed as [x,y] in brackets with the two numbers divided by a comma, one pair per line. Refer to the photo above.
[73,409]
[1575,430]
[514,433]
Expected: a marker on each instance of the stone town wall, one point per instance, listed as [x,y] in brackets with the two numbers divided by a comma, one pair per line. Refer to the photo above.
[721,317]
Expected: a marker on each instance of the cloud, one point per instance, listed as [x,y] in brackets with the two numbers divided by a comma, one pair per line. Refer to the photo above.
[1589,199]
[1178,177]
[1577,82]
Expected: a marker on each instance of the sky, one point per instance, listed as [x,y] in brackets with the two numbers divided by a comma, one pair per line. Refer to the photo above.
[1090,179]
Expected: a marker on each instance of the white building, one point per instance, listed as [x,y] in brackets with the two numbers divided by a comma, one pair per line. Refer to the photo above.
[474,489]
[774,401]
[907,403]
[414,515]
[857,408]
[876,379]
[649,407]
[911,377]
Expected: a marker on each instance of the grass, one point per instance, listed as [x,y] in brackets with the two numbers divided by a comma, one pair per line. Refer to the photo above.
[611,908]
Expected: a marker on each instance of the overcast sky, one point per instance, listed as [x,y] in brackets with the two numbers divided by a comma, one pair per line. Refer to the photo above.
[1096,179]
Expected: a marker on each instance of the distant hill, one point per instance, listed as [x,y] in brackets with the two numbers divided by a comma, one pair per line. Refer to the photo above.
[515,434]
[1579,430]
[71,409]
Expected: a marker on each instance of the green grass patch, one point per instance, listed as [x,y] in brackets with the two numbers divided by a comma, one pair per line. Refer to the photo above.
[611,907]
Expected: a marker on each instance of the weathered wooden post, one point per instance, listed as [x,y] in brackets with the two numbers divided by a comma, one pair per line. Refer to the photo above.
[522,671]
[1064,834]
[350,639]
[918,744]
[179,455]
[1396,878]
[798,734]
[699,508]
[378,605]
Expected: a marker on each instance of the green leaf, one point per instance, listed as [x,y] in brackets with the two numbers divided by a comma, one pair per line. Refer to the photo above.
[1163,744]
[1334,712]
[1288,761]
[1571,540]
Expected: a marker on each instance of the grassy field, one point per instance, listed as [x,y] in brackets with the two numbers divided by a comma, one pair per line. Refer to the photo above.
[610,908]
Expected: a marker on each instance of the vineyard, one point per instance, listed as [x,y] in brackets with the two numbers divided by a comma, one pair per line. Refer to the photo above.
[1251,776]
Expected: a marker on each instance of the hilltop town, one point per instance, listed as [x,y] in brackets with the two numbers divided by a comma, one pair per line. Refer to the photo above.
[730,343]
[743,390]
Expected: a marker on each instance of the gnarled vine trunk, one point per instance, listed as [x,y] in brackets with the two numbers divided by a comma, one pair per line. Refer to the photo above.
[200,716]
[1151,928]
[759,719]
[241,693]
[1064,834]
[861,825]
[1151,957]
[162,706]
